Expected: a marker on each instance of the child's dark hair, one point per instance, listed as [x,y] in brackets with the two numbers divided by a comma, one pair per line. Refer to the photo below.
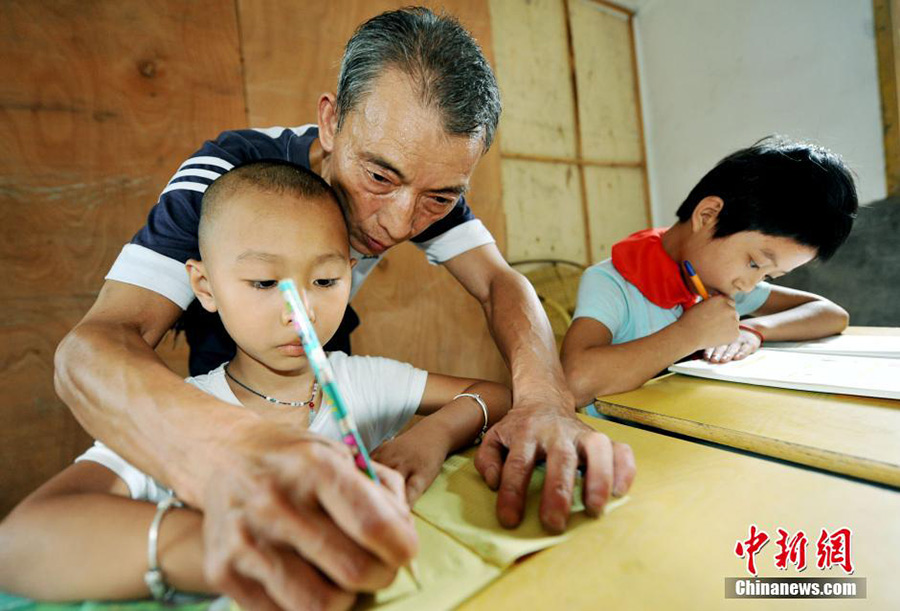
[781,188]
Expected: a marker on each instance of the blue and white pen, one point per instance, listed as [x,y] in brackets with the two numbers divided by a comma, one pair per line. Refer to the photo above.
[325,375]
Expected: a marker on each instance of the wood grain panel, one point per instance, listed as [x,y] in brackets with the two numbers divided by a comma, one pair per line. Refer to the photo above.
[887,43]
[607,103]
[543,211]
[99,103]
[534,76]
[39,435]
[291,56]
[616,204]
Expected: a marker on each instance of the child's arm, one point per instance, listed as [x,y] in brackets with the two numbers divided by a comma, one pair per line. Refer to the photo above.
[595,367]
[78,538]
[787,315]
[449,424]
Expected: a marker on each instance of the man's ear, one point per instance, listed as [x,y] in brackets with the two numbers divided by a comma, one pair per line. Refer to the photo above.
[706,214]
[200,284]
[327,117]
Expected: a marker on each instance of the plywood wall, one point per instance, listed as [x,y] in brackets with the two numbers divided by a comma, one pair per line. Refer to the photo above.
[572,146]
[99,103]
[887,39]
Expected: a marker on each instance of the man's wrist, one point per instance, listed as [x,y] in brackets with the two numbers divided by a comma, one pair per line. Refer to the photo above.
[543,398]
[211,454]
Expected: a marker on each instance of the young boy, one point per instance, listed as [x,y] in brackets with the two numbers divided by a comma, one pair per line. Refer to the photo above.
[760,213]
[84,534]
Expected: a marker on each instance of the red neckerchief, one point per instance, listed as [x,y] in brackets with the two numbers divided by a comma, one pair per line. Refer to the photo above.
[642,260]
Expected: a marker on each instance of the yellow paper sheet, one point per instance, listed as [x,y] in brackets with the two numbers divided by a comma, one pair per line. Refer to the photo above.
[448,571]
[460,504]
[462,547]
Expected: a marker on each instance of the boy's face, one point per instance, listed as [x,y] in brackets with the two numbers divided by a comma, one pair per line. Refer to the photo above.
[264,238]
[737,263]
[394,168]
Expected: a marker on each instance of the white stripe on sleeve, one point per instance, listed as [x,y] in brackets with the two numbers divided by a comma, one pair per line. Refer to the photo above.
[196,172]
[207,160]
[140,266]
[185,186]
[460,239]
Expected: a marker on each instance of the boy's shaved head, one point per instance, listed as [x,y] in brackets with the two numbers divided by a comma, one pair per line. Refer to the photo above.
[272,177]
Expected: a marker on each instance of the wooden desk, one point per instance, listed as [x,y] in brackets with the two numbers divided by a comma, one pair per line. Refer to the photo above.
[672,544]
[855,436]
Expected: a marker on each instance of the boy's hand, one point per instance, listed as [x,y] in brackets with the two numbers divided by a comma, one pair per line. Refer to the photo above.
[712,322]
[417,455]
[746,344]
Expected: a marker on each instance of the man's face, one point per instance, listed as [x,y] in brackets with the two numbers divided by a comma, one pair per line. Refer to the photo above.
[394,168]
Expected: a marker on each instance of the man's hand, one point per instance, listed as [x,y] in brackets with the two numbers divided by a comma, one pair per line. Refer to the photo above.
[536,431]
[746,344]
[290,523]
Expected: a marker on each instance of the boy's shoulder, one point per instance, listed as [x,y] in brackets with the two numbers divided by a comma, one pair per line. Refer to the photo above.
[215,384]
[604,276]
[354,366]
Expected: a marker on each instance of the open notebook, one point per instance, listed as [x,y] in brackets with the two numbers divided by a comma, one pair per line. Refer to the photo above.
[837,374]
[883,346]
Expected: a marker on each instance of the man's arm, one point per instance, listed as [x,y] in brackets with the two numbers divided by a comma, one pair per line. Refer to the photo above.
[250,476]
[542,422]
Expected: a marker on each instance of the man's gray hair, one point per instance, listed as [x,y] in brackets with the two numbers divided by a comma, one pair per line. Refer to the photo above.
[441,58]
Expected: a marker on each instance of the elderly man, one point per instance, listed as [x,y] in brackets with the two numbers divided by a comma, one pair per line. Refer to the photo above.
[287,518]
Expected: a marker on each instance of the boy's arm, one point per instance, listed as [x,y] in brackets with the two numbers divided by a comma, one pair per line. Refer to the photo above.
[235,466]
[78,538]
[449,424]
[786,315]
[596,367]
[460,420]
[792,315]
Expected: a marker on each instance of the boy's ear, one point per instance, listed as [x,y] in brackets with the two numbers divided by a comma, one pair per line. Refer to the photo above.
[706,213]
[327,119]
[200,284]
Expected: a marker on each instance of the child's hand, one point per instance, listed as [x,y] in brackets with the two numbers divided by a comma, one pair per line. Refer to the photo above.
[746,344]
[712,322]
[417,455]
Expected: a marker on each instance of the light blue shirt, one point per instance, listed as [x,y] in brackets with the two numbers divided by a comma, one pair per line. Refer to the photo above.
[607,297]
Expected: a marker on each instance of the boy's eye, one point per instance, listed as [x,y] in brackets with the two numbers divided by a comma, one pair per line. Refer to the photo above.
[753,264]
[263,284]
[325,282]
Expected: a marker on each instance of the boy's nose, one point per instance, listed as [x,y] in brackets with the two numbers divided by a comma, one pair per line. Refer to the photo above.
[287,317]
